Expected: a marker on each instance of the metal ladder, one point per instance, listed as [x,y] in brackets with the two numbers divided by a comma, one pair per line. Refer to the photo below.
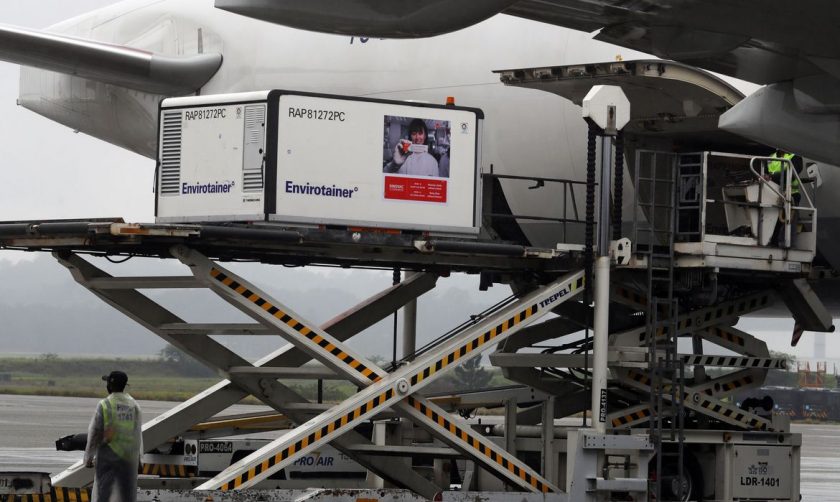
[690,197]
[656,196]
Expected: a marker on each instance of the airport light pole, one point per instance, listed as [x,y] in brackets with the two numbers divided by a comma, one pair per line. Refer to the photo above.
[608,108]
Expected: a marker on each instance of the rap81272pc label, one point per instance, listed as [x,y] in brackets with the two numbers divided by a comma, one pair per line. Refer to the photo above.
[313,114]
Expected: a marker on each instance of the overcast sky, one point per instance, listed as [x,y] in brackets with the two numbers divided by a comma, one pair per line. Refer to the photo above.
[51,172]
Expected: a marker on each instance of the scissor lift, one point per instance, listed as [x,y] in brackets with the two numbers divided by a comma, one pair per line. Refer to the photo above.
[590,458]
[380,392]
[575,463]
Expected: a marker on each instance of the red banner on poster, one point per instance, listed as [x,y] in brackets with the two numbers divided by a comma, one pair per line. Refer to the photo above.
[417,189]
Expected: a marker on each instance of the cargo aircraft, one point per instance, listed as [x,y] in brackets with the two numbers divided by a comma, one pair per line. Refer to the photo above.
[104,73]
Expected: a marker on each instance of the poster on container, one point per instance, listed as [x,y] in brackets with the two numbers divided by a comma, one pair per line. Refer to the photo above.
[377,164]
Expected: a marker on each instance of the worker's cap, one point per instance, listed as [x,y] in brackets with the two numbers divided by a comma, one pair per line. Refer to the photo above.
[118,378]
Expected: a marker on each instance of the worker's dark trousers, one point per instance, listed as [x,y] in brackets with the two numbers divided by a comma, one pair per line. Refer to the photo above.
[778,233]
[116,479]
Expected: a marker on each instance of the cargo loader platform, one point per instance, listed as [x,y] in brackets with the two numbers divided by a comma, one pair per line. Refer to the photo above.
[274,244]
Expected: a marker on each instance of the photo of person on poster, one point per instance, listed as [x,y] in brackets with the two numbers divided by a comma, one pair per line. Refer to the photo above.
[413,150]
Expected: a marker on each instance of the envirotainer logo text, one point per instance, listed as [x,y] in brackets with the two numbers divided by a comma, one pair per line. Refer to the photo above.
[202,188]
[320,190]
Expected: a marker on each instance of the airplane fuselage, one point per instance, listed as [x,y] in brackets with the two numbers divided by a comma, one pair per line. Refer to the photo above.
[527,132]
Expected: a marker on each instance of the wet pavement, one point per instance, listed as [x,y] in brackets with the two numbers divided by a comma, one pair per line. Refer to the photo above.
[25,446]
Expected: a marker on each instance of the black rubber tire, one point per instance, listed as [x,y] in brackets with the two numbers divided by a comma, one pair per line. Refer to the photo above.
[694,474]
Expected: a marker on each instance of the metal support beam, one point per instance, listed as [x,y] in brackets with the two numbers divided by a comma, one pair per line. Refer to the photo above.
[382,390]
[548,459]
[510,426]
[226,393]
[409,338]
[703,403]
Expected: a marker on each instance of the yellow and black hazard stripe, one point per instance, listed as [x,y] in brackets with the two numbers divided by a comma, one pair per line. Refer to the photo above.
[640,377]
[730,309]
[40,497]
[348,419]
[750,422]
[473,344]
[731,413]
[634,299]
[325,431]
[727,335]
[56,494]
[487,450]
[70,494]
[738,307]
[629,418]
[662,331]
[485,337]
[734,361]
[169,470]
[631,296]
[720,387]
[296,325]
[647,382]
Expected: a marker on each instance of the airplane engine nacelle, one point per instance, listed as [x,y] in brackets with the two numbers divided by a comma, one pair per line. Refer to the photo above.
[120,116]
[772,116]
[105,73]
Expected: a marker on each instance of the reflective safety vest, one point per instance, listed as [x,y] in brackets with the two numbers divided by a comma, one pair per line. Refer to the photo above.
[778,167]
[119,419]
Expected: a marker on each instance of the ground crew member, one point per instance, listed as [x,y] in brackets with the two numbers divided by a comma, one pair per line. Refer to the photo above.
[115,443]
[777,170]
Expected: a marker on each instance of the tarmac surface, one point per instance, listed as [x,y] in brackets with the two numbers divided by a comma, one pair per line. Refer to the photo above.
[29,426]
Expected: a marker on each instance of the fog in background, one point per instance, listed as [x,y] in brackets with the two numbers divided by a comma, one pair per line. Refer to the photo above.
[48,171]
[44,311]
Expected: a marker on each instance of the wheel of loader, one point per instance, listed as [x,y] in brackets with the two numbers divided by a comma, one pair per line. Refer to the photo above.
[692,479]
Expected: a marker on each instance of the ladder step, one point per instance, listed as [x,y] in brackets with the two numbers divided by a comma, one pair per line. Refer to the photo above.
[660,180]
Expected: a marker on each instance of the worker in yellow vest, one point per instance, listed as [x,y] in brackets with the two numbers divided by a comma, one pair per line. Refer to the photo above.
[115,443]
[777,171]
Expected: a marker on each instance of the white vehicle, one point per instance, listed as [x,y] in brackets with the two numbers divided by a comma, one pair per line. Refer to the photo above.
[323,466]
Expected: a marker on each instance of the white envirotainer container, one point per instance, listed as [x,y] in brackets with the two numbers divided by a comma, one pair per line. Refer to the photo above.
[314,159]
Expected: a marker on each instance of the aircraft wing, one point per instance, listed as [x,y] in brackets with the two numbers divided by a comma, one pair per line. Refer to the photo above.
[111,64]
[762,41]
[790,47]
[372,18]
